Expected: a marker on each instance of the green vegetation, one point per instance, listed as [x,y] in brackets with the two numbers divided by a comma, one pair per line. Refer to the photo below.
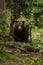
[35,60]
[32,11]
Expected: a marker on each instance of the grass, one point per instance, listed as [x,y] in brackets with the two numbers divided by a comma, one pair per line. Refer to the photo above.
[11,59]
[37,36]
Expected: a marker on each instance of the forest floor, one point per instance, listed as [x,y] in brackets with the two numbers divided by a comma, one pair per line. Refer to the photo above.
[18,54]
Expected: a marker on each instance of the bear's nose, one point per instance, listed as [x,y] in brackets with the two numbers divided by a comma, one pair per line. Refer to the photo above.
[19,28]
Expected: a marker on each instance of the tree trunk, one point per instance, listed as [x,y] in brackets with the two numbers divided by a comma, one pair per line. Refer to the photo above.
[2,4]
[15,12]
[15,9]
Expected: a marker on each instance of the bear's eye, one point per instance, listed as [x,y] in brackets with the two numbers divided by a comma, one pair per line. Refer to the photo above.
[23,22]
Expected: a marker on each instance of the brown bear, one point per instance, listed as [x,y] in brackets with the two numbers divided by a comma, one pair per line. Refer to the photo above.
[20,30]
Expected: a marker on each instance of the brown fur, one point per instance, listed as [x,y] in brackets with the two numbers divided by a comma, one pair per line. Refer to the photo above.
[21,31]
